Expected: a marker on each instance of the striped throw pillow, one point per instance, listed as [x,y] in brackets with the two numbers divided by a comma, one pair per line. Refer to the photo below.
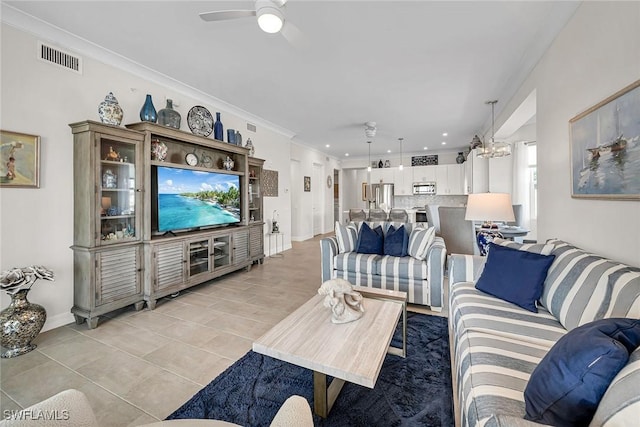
[347,237]
[620,405]
[420,241]
[582,287]
[536,248]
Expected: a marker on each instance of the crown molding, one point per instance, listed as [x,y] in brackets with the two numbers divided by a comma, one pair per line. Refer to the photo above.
[64,39]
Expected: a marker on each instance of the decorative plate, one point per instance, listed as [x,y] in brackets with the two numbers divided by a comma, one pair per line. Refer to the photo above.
[200,121]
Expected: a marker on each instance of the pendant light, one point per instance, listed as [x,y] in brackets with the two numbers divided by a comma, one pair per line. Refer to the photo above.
[369,164]
[401,166]
[493,149]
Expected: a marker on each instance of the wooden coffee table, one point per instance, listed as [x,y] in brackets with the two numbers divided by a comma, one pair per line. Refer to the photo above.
[351,352]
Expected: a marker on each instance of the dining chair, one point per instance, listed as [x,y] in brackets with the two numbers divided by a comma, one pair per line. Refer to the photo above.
[398,215]
[357,215]
[458,233]
[377,215]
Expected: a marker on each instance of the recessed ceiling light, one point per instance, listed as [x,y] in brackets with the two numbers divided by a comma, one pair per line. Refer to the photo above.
[328,145]
[388,151]
[346,154]
[425,148]
[444,143]
[445,134]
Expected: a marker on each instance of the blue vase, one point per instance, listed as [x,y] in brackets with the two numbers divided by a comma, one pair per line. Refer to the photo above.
[218,132]
[148,112]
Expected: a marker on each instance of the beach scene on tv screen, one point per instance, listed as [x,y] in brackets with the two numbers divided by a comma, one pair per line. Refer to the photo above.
[191,199]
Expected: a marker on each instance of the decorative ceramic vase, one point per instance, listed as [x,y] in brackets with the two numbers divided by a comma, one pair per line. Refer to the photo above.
[228,163]
[380,164]
[20,323]
[110,111]
[460,159]
[159,149]
[148,112]
[168,116]
[238,138]
[250,146]
[387,164]
[231,136]
[218,132]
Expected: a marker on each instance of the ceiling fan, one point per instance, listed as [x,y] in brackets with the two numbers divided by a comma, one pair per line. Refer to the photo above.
[270,15]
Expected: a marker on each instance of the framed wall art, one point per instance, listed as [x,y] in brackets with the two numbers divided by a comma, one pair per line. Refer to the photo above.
[605,148]
[19,160]
[270,179]
[428,160]
[307,183]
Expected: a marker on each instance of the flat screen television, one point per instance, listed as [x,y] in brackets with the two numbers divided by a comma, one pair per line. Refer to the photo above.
[187,199]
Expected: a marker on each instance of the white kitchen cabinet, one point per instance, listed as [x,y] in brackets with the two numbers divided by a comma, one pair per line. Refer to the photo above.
[403,181]
[379,175]
[424,173]
[476,173]
[450,180]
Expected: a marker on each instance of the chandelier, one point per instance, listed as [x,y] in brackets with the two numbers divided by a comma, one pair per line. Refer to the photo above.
[493,149]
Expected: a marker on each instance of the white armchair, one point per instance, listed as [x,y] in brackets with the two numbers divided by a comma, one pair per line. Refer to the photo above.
[73,410]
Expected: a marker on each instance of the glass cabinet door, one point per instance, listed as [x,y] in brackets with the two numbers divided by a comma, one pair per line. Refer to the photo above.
[255,194]
[199,261]
[118,200]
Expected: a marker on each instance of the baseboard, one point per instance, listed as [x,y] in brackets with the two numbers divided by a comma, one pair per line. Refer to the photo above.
[57,321]
[301,238]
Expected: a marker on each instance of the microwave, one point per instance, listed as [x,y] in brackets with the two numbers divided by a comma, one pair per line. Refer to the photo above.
[424,188]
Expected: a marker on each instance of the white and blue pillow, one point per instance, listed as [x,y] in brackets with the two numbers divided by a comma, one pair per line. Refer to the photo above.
[420,241]
[347,237]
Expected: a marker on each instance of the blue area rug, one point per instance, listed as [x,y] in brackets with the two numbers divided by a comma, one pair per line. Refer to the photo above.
[414,391]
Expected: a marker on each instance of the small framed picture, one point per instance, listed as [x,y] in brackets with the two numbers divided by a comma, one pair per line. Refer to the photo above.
[307,183]
[19,160]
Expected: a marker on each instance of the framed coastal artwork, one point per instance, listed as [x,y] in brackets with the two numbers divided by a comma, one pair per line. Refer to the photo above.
[307,183]
[19,160]
[605,148]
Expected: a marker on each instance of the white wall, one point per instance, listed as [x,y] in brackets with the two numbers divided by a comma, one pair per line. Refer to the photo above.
[595,55]
[36,225]
[302,227]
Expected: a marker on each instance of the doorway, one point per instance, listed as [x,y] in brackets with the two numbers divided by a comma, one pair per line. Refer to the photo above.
[317,194]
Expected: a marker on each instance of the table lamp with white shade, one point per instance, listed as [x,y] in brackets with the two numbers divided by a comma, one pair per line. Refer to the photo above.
[488,207]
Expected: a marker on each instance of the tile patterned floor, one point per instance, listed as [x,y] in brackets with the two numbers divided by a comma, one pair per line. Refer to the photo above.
[138,367]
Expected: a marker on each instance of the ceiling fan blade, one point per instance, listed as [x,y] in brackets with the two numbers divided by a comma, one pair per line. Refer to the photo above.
[223,15]
[294,36]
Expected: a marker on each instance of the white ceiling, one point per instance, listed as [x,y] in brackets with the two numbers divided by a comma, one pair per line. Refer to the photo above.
[417,68]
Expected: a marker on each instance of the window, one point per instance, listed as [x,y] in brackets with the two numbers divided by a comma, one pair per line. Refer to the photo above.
[533,180]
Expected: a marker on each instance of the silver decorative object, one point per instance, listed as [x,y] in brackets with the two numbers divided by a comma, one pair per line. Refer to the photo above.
[20,323]
[228,163]
[250,146]
[110,111]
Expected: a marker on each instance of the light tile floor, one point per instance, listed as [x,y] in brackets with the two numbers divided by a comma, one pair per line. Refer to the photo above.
[138,367]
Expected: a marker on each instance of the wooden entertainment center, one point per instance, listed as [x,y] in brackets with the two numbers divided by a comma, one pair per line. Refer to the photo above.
[119,256]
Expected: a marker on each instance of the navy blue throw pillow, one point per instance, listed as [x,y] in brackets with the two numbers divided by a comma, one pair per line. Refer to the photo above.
[370,241]
[514,276]
[569,382]
[396,242]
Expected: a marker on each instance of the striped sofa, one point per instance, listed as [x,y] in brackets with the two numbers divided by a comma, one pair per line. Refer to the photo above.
[421,280]
[495,345]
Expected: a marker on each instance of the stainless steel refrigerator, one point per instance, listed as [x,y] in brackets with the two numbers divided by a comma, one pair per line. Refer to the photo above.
[382,195]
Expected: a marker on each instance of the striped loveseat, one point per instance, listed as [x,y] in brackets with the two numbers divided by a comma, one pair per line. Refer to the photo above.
[496,344]
[422,280]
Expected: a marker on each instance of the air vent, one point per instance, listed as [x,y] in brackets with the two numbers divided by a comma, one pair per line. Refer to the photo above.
[60,58]
[251,127]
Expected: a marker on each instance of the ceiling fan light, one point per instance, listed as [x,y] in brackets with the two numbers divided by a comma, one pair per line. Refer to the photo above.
[270,20]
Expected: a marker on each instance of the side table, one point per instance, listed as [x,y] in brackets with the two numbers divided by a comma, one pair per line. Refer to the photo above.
[275,236]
